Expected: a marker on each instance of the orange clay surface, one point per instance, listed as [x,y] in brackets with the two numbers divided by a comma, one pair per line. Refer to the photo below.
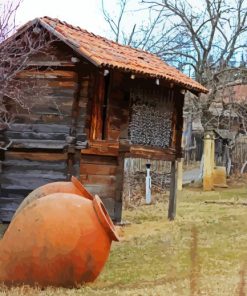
[62,239]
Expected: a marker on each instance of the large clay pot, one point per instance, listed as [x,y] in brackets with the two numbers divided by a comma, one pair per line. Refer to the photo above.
[60,240]
[74,187]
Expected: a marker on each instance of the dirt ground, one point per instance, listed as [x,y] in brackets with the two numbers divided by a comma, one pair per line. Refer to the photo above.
[202,252]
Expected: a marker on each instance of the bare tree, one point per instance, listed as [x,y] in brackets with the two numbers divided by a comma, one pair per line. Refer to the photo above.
[15,54]
[210,37]
[144,35]
[8,18]
[203,41]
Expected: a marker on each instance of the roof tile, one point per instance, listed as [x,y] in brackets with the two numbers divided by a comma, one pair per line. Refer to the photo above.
[113,55]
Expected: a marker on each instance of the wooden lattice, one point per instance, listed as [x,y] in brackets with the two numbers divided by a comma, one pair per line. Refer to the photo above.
[151,118]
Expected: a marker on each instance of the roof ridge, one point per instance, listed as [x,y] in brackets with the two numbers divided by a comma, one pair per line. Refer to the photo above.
[78,28]
[114,54]
[103,52]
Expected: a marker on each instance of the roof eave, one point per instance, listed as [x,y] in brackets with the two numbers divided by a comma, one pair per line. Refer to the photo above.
[194,90]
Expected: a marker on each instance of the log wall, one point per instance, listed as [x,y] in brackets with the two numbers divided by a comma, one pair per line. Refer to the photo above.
[48,131]
[76,121]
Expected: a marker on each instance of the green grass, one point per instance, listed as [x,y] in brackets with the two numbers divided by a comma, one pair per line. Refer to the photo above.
[154,256]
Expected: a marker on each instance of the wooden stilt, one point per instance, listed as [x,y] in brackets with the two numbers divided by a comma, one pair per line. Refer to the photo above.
[180,175]
[173,191]
[119,189]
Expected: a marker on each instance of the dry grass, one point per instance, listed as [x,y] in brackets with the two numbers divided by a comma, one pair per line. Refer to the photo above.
[203,252]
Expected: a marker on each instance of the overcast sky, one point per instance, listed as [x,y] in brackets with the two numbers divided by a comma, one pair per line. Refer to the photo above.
[83,13]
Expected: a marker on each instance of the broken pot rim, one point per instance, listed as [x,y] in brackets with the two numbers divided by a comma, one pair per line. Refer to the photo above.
[104,218]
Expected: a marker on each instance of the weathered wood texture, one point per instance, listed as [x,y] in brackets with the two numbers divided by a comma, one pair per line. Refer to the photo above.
[177,122]
[119,187]
[117,118]
[24,171]
[96,122]
[173,193]
[47,137]
[80,122]
[56,55]
[98,174]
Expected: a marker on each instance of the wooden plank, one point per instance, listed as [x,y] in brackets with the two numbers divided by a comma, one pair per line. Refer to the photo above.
[113,134]
[58,84]
[8,206]
[119,188]
[118,110]
[94,169]
[28,181]
[99,151]
[174,122]
[52,109]
[9,202]
[61,63]
[98,179]
[35,135]
[23,165]
[42,128]
[96,159]
[39,156]
[179,103]
[147,152]
[103,147]
[35,173]
[47,74]
[98,100]
[38,144]
[173,193]
[57,119]
[6,215]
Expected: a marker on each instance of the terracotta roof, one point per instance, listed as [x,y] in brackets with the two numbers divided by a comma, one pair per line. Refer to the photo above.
[105,53]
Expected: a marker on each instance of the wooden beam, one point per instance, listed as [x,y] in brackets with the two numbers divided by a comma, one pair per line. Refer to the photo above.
[119,189]
[173,193]
[98,101]
[168,154]
[177,121]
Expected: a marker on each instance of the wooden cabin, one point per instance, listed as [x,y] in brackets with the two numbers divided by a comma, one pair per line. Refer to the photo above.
[101,102]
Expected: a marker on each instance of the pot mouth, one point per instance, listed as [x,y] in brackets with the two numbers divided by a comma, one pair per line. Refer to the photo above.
[83,190]
[104,218]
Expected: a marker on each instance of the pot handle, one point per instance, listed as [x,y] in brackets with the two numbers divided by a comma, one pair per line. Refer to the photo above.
[83,190]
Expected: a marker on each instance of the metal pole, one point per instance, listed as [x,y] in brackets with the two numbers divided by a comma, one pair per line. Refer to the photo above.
[148,184]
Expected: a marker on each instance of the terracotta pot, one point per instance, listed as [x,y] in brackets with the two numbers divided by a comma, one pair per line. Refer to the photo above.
[74,187]
[60,240]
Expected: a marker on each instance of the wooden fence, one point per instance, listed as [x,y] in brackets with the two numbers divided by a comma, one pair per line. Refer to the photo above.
[239,154]
[135,175]
[134,165]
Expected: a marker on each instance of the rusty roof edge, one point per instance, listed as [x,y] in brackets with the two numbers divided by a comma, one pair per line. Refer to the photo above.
[194,88]
[60,36]
[193,85]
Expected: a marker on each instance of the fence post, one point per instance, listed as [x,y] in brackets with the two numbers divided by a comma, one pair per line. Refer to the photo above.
[208,165]
[180,175]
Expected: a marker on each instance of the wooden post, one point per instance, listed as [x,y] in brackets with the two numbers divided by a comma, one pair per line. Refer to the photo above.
[180,175]
[119,188]
[208,165]
[173,193]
